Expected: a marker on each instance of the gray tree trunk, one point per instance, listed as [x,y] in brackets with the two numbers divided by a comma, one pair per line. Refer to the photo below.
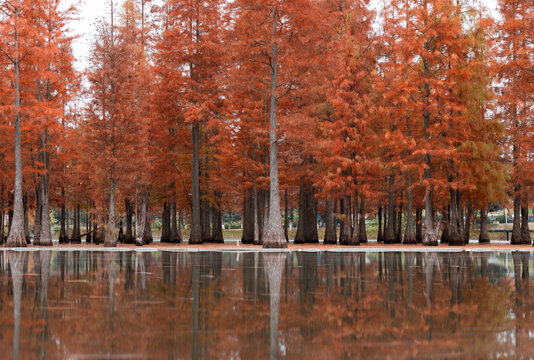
[484,235]
[16,237]
[195,236]
[110,240]
[409,234]
[273,235]
[389,232]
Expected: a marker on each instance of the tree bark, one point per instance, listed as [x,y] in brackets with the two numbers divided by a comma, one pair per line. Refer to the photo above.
[248,221]
[389,234]
[109,240]
[525,232]
[362,232]
[379,236]
[16,237]
[419,225]
[330,230]
[344,237]
[273,235]
[195,236]
[484,235]
[128,234]
[409,235]
[176,237]
[516,228]
[286,221]
[299,236]
[165,223]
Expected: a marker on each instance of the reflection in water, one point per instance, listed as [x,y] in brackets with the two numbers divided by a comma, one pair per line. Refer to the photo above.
[316,305]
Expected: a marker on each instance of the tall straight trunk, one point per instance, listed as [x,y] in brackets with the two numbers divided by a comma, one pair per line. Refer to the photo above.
[176,237]
[330,230]
[389,233]
[419,225]
[445,221]
[27,235]
[16,237]
[165,223]
[299,236]
[195,236]
[362,233]
[128,234]
[63,218]
[109,239]
[310,224]
[454,233]
[398,232]
[431,236]
[273,235]
[141,221]
[45,237]
[344,237]
[467,224]
[379,236]
[89,226]
[2,214]
[354,235]
[286,221]
[525,232]
[409,234]
[76,225]
[248,220]
[217,233]
[516,227]
[255,215]
[205,221]
[147,235]
[38,215]
[484,235]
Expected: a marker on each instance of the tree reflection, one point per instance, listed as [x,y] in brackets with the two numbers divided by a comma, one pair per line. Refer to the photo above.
[17,261]
[274,266]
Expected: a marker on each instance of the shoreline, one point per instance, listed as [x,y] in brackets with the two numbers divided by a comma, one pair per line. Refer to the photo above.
[234,245]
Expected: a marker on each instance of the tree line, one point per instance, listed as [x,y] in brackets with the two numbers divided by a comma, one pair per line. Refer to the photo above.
[419,114]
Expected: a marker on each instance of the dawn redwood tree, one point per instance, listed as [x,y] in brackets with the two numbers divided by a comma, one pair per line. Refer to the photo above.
[18,45]
[515,89]
[189,56]
[112,113]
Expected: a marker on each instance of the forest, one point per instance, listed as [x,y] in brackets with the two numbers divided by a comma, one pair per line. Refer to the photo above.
[418,114]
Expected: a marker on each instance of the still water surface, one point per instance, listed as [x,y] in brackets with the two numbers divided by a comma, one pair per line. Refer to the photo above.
[249,305]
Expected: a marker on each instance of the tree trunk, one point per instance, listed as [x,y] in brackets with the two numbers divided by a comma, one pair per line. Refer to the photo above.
[37,217]
[286,222]
[109,240]
[147,235]
[419,225]
[484,235]
[330,230]
[196,232]
[445,221]
[409,235]
[525,232]
[355,239]
[362,232]
[299,236]
[454,233]
[273,235]
[217,233]
[389,234]
[255,216]
[467,224]
[165,223]
[379,236]
[248,221]
[516,228]
[310,225]
[128,234]
[344,237]
[16,237]
[176,237]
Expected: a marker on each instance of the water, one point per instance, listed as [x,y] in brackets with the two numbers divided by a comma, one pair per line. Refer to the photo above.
[249,305]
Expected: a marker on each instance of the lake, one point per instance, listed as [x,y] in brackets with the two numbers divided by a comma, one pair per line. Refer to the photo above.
[259,305]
